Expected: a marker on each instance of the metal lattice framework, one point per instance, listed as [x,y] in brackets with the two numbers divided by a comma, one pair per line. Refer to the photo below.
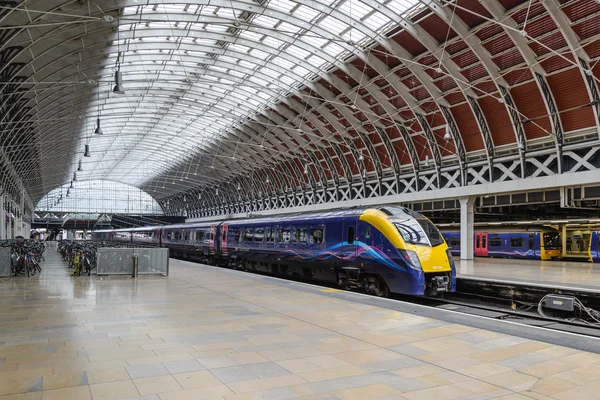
[240,106]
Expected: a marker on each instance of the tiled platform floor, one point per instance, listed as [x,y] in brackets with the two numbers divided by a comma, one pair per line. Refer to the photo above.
[571,273]
[207,333]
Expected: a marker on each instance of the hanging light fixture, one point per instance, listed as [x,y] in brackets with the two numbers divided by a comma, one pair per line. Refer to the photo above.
[74,176]
[118,89]
[427,160]
[79,166]
[447,134]
[86,153]
[360,156]
[70,187]
[239,187]
[98,130]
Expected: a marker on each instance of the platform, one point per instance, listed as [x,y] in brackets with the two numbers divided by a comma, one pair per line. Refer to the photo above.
[210,333]
[564,273]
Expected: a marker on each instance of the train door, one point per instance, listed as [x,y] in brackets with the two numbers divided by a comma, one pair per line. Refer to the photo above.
[481,244]
[211,240]
[224,229]
[350,237]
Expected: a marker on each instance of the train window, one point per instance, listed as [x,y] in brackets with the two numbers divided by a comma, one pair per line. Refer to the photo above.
[237,234]
[495,241]
[248,235]
[269,236]
[531,241]
[300,236]
[517,242]
[552,241]
[368,232]
[316,236]
[284,236]
[259,235]
[455,242]
[350,237]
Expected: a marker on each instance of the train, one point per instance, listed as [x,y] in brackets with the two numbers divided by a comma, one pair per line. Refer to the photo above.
[533,243]
[382,250]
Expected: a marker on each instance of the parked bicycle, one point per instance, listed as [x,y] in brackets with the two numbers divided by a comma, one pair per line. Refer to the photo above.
[26,256]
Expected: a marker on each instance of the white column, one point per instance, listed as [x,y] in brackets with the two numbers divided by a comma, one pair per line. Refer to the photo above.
[467,221]
[2,219]
[9,228]
[563,237]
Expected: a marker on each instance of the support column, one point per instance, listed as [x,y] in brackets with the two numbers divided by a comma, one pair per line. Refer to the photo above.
[9,228]
[563,237]
[467,221]
[2,219]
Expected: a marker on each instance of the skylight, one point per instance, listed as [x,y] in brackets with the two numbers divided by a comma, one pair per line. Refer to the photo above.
[197,72]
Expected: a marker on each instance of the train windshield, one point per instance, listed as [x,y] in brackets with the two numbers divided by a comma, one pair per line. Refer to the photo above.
[419,231]
[552,241]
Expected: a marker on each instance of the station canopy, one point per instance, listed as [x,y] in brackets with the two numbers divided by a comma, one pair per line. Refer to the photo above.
[179,98]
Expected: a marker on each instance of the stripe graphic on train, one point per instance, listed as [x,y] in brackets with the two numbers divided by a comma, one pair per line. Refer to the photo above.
[363,251]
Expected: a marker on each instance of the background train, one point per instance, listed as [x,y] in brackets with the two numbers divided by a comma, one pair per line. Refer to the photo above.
[384,249]
[534,243]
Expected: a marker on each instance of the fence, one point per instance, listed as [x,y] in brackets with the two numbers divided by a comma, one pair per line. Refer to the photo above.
[5,261]
[119,261]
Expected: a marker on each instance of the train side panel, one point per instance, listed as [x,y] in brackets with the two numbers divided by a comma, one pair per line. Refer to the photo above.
[534,245]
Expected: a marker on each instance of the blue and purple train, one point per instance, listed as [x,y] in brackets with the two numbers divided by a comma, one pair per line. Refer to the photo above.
[531,243]
[381,250]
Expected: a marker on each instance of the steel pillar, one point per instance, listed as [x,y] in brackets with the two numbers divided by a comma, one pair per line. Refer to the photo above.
[467,220]
[563,237]
[2,219]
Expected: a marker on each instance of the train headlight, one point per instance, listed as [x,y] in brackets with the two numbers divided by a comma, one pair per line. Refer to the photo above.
[411,258]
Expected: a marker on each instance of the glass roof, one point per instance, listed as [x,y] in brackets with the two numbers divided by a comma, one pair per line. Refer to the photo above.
[192,73]
[99,197]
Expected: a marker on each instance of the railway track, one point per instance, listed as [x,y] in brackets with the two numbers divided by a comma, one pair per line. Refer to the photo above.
[517,302]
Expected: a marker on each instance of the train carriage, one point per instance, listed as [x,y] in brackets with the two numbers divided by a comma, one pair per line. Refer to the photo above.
[146,236]
[384,249]
[528,243]
[102,235]
[121,236]
[194,242]
[381,250]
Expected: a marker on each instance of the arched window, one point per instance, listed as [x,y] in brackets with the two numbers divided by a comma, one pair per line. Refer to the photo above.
[99,196]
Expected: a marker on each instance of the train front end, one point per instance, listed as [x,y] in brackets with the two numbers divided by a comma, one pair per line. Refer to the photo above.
[425,265]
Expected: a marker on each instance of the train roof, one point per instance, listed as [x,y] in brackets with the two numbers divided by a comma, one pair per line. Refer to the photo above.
[192,225]
[504,229]
[390,210]
[146,228]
